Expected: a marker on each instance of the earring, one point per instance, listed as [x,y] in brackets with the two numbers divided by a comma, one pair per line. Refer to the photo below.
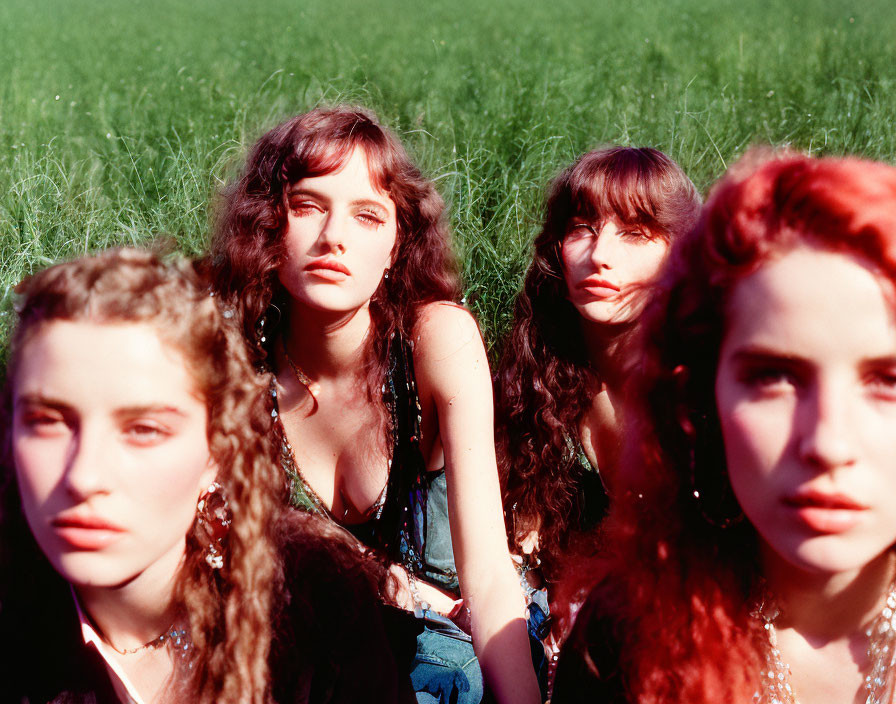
[386,273]
[213,517]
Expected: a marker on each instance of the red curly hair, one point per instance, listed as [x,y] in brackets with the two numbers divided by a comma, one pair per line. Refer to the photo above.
[247,247]
[675,586]
[544,379]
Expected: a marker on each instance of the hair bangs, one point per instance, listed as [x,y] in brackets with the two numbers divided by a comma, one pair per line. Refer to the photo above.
[326,146]
[625,185]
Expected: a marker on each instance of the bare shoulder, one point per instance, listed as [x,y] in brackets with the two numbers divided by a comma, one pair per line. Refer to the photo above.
[448,350]
[443,329]
[444,322]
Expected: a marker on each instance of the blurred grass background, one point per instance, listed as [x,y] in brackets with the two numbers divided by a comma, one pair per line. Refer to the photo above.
[120,121]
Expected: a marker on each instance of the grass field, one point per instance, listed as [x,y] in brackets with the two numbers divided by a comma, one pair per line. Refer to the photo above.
[119,121]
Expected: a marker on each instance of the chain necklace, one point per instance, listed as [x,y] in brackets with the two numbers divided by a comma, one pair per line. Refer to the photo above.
[775,677]
[312,386]
[173,637]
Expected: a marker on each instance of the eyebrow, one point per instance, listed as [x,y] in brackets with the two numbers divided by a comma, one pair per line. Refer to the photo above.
[324,197]
[149,409]
[123,412]
[41,400]
[768,354]
[758,354]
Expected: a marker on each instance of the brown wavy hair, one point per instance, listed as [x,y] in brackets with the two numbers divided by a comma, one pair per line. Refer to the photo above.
[677,585]
[545,380]
[229,610]
[248,243]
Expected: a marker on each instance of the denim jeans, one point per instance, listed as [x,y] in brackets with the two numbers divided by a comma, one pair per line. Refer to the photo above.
[445,668]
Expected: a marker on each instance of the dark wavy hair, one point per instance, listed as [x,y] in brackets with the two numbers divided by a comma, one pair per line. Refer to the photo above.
[228,610]
[545,380]
[666,547]
[248,243]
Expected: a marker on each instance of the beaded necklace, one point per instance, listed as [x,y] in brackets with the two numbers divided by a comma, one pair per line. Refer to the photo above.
[775,677]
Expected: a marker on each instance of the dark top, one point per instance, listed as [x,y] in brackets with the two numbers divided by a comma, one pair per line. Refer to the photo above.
[330,644]
[588,668]
[592,501]
[409,524]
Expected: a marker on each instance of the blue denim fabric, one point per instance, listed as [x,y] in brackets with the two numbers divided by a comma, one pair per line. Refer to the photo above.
[445,668]
[438,552]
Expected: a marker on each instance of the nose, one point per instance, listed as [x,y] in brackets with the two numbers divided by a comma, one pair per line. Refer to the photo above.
[826,431]
[604,247]
[331,232]
[86,468]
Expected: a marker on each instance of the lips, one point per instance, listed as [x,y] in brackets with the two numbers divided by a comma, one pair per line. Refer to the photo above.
[86,532]
[822,499]
[327,268]
[825,512]
[598,287]
[597,282]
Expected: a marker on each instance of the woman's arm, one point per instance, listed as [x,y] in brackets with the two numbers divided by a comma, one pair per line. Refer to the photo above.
[452,368]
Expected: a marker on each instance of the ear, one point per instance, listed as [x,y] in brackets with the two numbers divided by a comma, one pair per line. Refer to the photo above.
[209,475]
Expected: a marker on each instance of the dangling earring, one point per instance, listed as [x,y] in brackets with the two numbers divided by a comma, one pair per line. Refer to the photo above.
[214,517]
[386,274]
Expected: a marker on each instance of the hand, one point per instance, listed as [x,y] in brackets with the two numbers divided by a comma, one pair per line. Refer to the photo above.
[440,601]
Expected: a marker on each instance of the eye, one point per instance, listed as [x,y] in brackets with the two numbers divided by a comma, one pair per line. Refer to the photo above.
[371,218]
[769,378]
[580,230]
[636,234]
[44,422]
[882,383]
[145,432]
[301,208]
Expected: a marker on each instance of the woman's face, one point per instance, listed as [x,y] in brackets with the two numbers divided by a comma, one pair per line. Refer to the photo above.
[340,234]
[603,267]
[806,395]
[110,450]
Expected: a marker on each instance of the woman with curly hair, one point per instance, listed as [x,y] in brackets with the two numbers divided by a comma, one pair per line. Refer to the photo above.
[145,554]
[752,553]
[610,219]
[335,249]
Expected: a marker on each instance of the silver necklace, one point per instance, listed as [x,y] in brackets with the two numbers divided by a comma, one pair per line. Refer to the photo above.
[775,676]
[173,637]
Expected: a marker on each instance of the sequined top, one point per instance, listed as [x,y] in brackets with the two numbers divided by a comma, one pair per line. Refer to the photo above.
[409,521]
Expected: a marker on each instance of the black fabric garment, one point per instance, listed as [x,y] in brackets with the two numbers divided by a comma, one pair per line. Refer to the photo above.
[48,661]
[410,527]
[588,668]
[330,644]
[591,501]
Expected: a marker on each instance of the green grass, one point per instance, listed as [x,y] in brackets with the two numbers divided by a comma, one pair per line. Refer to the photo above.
[118,121]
